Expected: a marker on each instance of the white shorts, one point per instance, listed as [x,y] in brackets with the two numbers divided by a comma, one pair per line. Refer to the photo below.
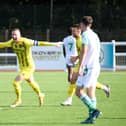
[89,79]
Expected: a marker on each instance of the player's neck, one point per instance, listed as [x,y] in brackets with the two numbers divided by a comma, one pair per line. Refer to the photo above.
[86,29]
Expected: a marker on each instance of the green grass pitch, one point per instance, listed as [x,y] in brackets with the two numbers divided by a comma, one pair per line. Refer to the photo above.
[54,85]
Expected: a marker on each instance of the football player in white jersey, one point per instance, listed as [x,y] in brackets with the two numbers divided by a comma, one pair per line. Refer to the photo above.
[70,50]
[89,69]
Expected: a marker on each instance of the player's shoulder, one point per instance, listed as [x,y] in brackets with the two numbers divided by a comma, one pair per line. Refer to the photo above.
[24,39]
[68,38]
[95,35]
[84,35]
[92,32]
[88,33]
[10,41]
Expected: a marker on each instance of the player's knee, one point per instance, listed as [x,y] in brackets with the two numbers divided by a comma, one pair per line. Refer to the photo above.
[73,80]
[15,83]
[29,81]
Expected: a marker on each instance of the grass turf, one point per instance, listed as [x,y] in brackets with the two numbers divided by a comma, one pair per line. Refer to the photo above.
[54,85]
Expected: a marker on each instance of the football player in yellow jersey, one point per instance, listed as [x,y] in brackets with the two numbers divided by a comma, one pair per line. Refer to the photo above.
[22,47]
[76,32]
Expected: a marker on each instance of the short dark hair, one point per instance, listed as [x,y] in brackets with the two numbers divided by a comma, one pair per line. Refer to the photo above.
[73,26]
[14,29]
[76,26]
[87,20]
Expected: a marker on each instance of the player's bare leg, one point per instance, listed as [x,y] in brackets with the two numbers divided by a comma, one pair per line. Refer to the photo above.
[17,88]
[41,99]
[104,87]
[36,88]
[70,72]
[71,91]
[89,100]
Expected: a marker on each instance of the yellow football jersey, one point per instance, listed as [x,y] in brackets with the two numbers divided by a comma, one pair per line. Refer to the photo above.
[79,44]
[79,47]
[22,48]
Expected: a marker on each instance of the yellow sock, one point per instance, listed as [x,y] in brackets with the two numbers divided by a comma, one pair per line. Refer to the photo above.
[17,88]
[71,90]
[35,87]
[99,86]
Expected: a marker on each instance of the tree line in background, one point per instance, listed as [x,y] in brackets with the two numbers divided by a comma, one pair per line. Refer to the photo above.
[39,15]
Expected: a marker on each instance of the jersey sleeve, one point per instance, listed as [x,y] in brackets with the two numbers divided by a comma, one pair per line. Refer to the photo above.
[29,42]
[6,44]
[43,43]
[84,39]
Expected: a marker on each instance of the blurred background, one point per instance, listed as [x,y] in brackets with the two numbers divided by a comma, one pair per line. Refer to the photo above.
[50,19]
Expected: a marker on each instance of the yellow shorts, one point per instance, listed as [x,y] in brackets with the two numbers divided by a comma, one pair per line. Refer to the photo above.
[75,69]
[26,73]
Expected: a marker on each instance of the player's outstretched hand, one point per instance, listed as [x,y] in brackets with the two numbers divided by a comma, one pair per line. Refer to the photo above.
[59,44]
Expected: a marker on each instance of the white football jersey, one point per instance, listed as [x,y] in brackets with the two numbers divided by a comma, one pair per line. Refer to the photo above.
[70,47]
[91,39]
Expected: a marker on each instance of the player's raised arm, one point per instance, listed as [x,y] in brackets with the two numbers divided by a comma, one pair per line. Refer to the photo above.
[5,44]
[44,43]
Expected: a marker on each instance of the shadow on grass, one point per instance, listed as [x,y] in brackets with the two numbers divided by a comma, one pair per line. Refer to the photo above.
[30,107]
[108,118]
[27,107]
